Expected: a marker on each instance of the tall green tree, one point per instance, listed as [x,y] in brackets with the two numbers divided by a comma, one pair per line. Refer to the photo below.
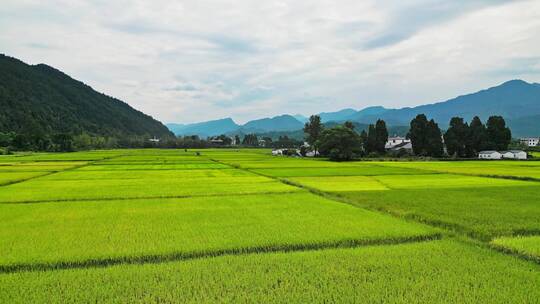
[313,129]
[349,124]
[250,140]
[417,135]
[340,143]
[477,139]
[371,142]
[499,136]
[435,146]
[456,137]
[381,136]
[426,137]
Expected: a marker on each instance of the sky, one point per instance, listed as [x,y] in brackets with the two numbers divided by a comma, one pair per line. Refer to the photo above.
[195,60]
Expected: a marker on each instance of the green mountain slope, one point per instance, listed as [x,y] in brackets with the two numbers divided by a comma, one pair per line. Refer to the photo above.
[41,99]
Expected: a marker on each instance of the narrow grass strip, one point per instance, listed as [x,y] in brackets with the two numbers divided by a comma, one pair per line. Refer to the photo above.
[183,256]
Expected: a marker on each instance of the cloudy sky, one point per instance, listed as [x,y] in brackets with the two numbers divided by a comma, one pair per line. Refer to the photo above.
[192,60]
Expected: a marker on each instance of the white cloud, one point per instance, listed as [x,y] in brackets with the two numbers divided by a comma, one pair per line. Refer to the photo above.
[185,61]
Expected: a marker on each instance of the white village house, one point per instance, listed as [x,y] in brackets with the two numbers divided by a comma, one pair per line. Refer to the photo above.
[489,155]
[514,154]
[395,141]
[530,141]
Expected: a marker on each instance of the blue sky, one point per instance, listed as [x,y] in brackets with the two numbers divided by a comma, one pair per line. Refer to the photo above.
[187,61]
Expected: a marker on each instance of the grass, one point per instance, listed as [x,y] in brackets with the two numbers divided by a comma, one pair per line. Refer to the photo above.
[38,166]
[67,232]
[43,190]
[232,225]
[428,272]
[364,170]
[528,246]
[518,169]
[340,183]
[11,177]
[438,181]
[482,212]
[154,166]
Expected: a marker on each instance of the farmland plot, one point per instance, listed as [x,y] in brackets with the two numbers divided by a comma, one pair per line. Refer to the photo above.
[428,272]
[219,225]
[124,230]
[528,246]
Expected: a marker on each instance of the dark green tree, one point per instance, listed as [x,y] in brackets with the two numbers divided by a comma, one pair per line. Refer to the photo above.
[417,135]
[499,136]
[371,142]
[340,143]
[250,140]
[62,142]
[313,129]
[456,137]
[349,124]
[381,136]
[425,137]
[435,145]
[477,139]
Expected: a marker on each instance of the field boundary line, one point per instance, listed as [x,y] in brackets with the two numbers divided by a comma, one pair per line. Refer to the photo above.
[185,256]
[147,197]
[514,252]
[508,177]
[87,163]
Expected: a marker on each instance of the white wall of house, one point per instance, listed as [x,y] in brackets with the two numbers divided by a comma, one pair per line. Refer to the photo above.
[394,141]
[489,155]
[530,141]
[519,154]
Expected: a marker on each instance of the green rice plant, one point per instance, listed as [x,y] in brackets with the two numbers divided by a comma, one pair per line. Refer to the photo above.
[528,246]
[38,166]
[518,169]
[97,233]
[427,272]
[482,212]
[11,177]
[154,166]
[339,183]
[42,190]
[437,181]
[201,175]
[73,156]
[279,162]
[364,170]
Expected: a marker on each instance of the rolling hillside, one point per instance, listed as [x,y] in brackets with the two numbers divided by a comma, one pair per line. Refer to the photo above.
[516,100]
[42,99]
[513,99]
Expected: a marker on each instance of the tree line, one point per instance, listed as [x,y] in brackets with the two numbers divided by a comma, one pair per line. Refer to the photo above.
[461,139]
[67,142]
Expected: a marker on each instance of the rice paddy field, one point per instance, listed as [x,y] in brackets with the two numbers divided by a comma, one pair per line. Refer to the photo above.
[229,226]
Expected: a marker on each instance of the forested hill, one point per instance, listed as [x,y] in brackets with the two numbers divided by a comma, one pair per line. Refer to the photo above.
[40,99]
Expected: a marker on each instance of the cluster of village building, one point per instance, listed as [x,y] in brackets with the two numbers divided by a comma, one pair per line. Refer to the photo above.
[397,143]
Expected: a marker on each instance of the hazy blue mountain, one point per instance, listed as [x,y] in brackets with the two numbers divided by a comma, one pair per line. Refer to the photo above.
[367,112]
[512,99]
[301,118]
[204,129]
[341,115]
[39,99]
[516,100]
[277,123]
[525,126]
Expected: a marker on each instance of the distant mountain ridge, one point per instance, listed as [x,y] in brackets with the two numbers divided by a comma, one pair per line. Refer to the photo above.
[516,100]
[41,99]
